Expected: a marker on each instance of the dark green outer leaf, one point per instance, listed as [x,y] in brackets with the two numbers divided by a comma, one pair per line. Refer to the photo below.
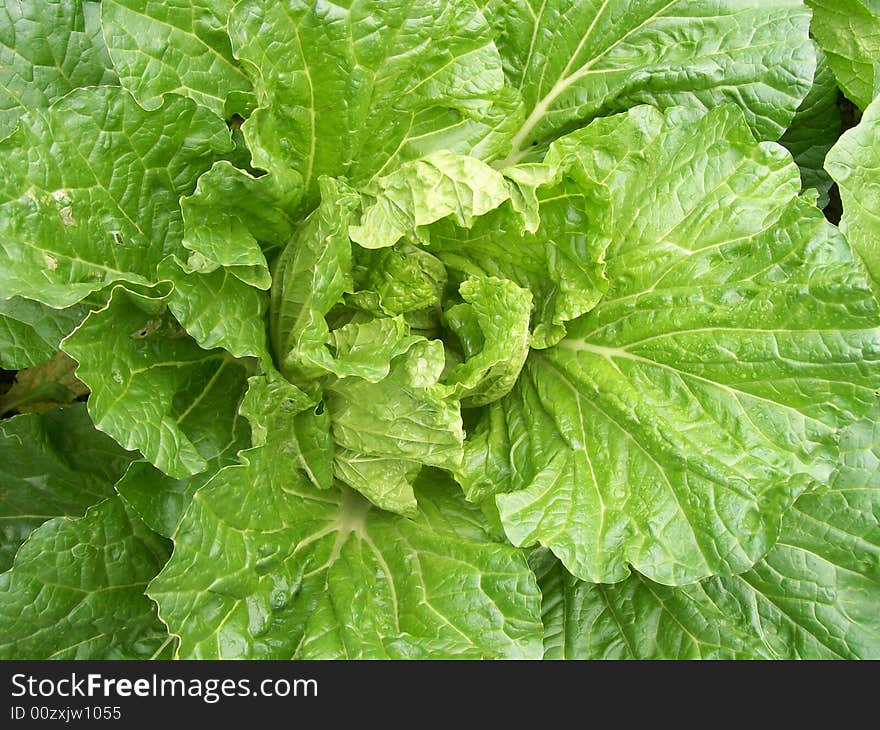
[30,332]
[53,464]
[76,590]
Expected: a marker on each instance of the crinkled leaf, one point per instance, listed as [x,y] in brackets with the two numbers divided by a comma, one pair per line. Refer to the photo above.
[425,191]
[153,388]
[576,61]
[90,193]
[231,217]
[311,276]
[30,332]
[47,49]
[218,309]
[403,279]
[407,415]
[853,163]
[814,596]
[295,424]
[815,129]
[492,327]
[178,47]
[365,349]
[561,262]
[76,590]
[849,32]
[354,90]
[54,464]
[303,573]
[682,416]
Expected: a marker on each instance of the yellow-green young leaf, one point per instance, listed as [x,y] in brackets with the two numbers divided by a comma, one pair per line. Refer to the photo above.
[402,279]
[425,191]
[560,259]
[574,61]
[90,191]
[853,163]
[492,327]
[814,596]
[295,424]
[47,49]
[352,90]
[53,464]
[153,388]
[849,32]
[312,274]
[76,590]
[178,47]
[386,429]
[678,420]
[307,573]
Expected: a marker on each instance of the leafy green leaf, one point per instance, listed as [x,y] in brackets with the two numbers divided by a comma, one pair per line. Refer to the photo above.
[813,597]
[231,217]
[682,416]
[30,332]
[852,163]
[849,32]
[561,261]
[493,329]
[160,500]
[575,61]
[815,129]
[296,425]
[53,464]
[354,90]
[407,415]
[76,590]
[403,279]
[90,195]
[218,309]
[153,389]
[425,191]
[180,47]
[358,583]
[311,276]
[47,49]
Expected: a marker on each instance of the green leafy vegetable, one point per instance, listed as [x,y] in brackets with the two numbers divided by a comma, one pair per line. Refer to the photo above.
[53,465]
[849,32]
[438,329]
[814,596]
[853,163]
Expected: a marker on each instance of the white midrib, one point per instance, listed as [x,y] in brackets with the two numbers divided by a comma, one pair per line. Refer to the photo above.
[518,152]
[612,353]
[350,518]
